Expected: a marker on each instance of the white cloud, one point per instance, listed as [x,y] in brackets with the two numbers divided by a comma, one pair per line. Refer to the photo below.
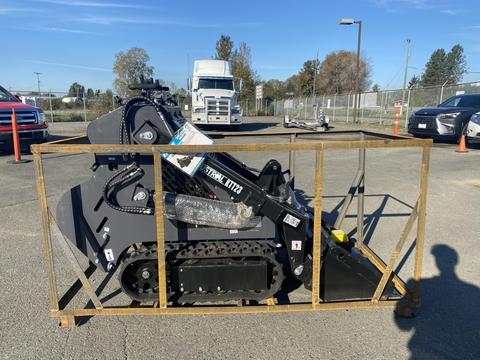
[73,66]
[69,31]
[110,20]
[449,12]
[18,11]
[93,4]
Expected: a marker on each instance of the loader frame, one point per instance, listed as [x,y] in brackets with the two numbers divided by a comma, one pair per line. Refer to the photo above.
[357,139]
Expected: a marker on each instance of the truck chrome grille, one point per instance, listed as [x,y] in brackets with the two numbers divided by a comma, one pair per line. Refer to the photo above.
[218,107]
[24,117]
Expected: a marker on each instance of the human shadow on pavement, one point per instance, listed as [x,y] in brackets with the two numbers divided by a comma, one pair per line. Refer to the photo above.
[447,326]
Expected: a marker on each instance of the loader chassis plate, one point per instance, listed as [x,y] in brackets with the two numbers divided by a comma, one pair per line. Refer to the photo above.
[225,275]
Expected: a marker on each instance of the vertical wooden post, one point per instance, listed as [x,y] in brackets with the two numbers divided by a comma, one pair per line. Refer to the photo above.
[162,276]
[317,227]
[291,156]
[422,213]
[45,227]
[360,193]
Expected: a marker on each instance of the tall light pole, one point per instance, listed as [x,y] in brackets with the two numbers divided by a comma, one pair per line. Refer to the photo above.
[405,75]
[356,101]
[38,80]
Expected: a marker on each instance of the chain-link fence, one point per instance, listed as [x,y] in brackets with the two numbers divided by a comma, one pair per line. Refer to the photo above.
[60,106]
[63,107]
[252,107]
[374,107]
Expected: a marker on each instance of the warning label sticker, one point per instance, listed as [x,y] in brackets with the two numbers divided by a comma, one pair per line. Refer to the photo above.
[296,245]
[291,220]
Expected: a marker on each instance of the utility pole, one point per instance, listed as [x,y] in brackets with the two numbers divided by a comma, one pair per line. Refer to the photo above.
[38,80]
[408,41]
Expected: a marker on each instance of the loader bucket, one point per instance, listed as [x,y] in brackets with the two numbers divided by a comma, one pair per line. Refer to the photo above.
[348,275]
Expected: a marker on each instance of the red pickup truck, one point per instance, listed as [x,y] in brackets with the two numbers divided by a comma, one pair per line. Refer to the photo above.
[32,125]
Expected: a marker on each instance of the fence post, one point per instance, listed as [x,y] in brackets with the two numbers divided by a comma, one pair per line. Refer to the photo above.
[334,104]
[305,106]
[380,121]
[407,109]
[363,107]
[84,107]
[50,100]
[348,106]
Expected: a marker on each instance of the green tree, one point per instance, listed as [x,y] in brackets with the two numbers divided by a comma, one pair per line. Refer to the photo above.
[376,88]
[292,85]
[274,89]
[414,82]
[456,64]
[76,90]
[445,68]
[90,93]
[129,66]
[307,76]
[435,69]
[103,103]
[224,48]
[242,69]
[338,73]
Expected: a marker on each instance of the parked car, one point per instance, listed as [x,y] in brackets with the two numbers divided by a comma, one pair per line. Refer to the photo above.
[473,129]
[448,120]
[32,125]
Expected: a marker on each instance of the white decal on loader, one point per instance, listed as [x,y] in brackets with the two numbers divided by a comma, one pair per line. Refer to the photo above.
[108,254]
[291,220]
[222,179]
[296,245]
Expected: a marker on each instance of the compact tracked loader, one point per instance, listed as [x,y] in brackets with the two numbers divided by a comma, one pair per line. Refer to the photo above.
[231,232]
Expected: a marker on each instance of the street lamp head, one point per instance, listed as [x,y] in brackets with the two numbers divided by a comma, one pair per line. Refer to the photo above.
[345,21]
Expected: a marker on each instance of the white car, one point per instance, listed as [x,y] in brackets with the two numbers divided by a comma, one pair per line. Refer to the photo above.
[473,129]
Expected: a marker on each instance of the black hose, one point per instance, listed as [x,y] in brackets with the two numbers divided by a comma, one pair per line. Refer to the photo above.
[119,177]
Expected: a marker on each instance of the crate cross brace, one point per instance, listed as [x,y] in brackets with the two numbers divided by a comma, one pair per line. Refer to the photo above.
[362,140]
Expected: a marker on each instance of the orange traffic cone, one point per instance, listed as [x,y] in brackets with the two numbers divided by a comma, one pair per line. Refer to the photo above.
[462,146]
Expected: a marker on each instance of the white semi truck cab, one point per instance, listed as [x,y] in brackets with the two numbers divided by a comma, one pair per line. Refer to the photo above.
[214,97]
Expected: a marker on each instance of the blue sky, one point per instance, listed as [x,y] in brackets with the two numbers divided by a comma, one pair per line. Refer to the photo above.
[76,40]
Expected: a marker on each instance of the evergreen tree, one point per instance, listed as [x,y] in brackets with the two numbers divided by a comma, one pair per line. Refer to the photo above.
[456,65]
[435,72]
[224,48]
[414,82]
[76,90]
[445,68]
[306,77]
[376,88]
